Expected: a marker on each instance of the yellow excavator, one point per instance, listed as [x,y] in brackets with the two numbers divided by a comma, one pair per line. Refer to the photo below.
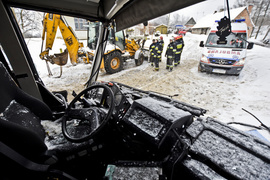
[118,49]
[51,22]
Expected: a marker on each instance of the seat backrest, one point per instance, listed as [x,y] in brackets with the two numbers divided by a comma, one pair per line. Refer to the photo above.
[10,91]
[20,116]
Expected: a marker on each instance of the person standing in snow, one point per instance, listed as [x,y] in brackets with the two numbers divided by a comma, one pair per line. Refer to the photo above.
[151,50]
[170,53]
[161,43]
[157,55]
[179,43]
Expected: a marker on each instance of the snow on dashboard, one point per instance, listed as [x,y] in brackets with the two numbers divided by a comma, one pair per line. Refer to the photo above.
[163,109]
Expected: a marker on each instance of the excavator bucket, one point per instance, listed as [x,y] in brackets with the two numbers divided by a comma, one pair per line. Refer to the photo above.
[59,59]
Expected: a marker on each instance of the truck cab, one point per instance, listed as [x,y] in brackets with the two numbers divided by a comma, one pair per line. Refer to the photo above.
[228,58]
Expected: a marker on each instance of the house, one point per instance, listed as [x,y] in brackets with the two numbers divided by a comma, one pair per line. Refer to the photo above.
[204,24]
[163,29]
[190,23]
[78,25]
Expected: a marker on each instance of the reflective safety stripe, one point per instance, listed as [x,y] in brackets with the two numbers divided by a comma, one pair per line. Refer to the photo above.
[174,50]
[158,51]
[169,56]
[179,46]
[152,53]
[171,47]
[178,52]
[159,56]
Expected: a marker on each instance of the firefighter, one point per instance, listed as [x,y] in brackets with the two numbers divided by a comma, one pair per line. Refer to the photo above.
[157,55]
[161,43]
[179,43]
[151,50]
[170,53]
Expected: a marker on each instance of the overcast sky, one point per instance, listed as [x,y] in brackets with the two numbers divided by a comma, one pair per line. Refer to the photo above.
[199,10]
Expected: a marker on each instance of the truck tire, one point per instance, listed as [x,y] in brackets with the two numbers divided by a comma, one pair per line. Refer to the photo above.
[199,68]
[113,62]
[140,60]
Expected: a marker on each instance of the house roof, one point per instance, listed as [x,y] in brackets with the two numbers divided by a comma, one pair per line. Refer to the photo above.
[191,21]
[208,20]
[161,25]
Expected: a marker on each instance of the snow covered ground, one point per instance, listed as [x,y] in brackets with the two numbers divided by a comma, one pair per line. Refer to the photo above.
[222,95]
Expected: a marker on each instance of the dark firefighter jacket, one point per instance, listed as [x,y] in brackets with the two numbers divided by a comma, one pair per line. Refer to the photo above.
[161,42]
[151,48]
[157,50]
[170,50]
[179,43]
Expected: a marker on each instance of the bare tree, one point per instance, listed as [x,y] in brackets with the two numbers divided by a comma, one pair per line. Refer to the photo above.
[160,20]
[260,13]
[257,15]
[178,19]
[173,19]
[265,12]
[266,34]
[30,22]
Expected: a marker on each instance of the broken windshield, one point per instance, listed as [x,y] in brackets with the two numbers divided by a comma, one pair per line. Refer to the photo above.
[234,40]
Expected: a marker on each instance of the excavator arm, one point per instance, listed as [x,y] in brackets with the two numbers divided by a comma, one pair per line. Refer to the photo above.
[51,23]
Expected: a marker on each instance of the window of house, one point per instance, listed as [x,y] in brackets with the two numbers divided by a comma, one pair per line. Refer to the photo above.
[80,24]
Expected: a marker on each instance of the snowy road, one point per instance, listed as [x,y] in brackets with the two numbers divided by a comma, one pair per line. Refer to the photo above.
[223,96]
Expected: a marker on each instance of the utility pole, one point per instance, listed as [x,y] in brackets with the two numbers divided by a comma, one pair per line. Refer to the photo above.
[168,23]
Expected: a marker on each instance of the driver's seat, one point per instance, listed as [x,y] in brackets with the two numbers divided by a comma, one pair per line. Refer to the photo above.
[21,133]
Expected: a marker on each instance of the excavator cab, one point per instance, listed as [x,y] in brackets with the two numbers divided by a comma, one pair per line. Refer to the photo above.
[120,40]
[92,34]
[114,38]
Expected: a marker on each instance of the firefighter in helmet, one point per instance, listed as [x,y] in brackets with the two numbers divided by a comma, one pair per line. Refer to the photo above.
[157,55]
[151,51]
[179,43]
[161,43]
[170,53]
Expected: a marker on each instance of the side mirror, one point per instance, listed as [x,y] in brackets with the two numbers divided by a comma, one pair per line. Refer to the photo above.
[250,45]
[201,44]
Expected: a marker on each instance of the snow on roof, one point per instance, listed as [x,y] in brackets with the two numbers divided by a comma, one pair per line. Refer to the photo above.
[209,20]
[161,25]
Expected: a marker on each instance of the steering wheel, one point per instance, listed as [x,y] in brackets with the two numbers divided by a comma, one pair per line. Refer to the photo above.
[88,113]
